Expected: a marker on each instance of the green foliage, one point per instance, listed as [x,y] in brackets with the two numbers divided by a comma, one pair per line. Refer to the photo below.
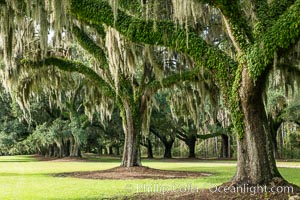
[12,127]
[7,142]
[235,107]
[73,66]
[281,35]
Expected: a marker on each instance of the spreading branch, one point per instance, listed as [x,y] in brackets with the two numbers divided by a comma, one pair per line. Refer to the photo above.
[165,33]
[211,135]
[191,75]
[90,46]
[236,23]
[72,66]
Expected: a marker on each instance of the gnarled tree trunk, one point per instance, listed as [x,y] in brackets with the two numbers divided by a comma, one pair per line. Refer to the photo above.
[256,162]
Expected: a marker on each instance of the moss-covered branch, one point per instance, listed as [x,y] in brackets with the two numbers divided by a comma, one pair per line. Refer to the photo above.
[178,78]
[262,14]
[88,44]
[206,136]
[134,6]
[233,13]
[284,33]
[72,66]
[165,33]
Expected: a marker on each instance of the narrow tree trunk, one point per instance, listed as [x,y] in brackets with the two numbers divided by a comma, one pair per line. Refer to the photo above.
[74,148]
[61,149]
[191,144]
[67,148]
[225,146]
[117,150]
[168,149]
[256,163]
[274,126]
[88,149]
[110,150]
[105,151]
[230,152]
[99,150]
[275,145]
[149,149]
[79,152]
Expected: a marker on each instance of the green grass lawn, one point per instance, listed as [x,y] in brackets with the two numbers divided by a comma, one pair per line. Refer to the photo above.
[23,177]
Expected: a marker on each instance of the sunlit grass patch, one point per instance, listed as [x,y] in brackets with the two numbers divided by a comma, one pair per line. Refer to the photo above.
[23,177]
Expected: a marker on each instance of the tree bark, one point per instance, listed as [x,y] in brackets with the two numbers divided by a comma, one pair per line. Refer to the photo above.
[110,150]
[149,149]
[225,146]
[132,126]
[168,149]
[147,143]
[274,126]
[256,162]
[191,144]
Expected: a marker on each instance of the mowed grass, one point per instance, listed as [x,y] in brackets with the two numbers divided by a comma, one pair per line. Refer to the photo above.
[23,177]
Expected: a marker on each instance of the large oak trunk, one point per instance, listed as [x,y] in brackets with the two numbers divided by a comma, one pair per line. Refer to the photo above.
[132,127]
[256,163]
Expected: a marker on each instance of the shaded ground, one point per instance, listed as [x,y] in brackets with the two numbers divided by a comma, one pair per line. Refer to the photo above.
[207,195]
[278,190]
[133,173]
[64,159]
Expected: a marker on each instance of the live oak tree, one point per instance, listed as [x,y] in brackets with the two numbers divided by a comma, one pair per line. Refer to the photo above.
[281,110]
[162,124]
[260,32]
[39,51]
[180,121]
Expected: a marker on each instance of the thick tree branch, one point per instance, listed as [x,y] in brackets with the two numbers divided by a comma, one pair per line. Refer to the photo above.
[178,78]
[72,66]
[156,133]
[88,44]
[165,33]
[181,136]
[211,135]
[236,23]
